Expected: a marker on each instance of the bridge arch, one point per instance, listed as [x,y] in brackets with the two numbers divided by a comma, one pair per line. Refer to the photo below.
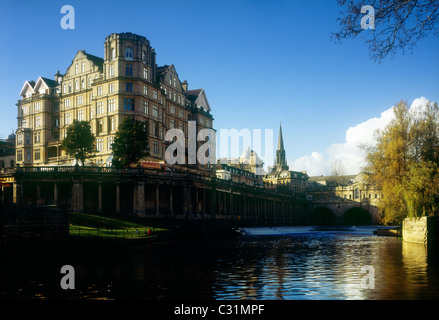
[322,216]
[357,216]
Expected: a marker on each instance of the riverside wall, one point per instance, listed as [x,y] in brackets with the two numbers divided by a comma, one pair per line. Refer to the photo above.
[424,230]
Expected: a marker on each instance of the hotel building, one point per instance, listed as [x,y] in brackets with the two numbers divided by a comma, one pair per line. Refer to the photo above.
[126,82]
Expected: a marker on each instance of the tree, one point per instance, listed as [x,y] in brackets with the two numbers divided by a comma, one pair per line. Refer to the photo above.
[130,143]
[338,171]
[79,141]
[404,163]
[398,24]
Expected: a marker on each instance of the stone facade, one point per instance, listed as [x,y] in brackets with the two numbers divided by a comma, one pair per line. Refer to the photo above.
[423,230]
[127,82]
[357,188]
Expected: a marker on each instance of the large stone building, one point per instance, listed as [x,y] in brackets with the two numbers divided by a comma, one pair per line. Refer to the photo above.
[281,177]
[357,188]
[126,82]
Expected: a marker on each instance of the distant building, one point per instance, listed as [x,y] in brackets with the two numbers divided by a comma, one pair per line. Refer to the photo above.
[248,162]
[235,174]
[359,188]
[126,82]
[281,176]
[7,152]
[350,187]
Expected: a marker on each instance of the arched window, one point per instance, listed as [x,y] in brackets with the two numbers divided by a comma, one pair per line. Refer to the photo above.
[129,53]
[357,193]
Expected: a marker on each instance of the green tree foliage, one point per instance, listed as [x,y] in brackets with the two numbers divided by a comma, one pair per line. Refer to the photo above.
[405,163]
[399,24]
[131,142]
[79,141]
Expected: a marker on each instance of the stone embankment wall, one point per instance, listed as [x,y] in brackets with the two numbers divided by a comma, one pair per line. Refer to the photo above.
[421,230]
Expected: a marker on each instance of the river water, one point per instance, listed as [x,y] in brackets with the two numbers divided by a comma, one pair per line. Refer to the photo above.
[289,263]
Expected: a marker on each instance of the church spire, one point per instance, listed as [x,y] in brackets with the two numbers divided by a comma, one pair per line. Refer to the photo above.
[281,162]
[280,145]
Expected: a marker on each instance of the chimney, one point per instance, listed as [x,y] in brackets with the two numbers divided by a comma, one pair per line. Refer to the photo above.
[185,86]
[58,77]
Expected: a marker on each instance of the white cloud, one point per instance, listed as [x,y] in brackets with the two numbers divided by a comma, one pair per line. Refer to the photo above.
[349,152]
[314,164]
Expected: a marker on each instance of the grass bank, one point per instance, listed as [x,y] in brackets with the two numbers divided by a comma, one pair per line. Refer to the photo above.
[105,226]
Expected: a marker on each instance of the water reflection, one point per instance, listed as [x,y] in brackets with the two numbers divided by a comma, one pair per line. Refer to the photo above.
[414,261]
[296,264]
[329,265]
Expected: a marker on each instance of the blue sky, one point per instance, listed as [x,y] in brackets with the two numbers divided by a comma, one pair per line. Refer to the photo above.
[259,62]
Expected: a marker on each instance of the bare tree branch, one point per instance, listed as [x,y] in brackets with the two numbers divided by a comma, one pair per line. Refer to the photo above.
[399,24]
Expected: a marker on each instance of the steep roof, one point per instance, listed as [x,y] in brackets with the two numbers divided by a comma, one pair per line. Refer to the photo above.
[199,97]
[27,86]
[50,83]
[194,93]
[96,60]
[162,69]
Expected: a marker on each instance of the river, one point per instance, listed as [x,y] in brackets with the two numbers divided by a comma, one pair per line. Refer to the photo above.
[289,263]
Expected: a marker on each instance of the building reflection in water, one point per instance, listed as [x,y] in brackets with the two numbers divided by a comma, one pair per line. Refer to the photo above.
[308,266]
[329,268]
[414,259]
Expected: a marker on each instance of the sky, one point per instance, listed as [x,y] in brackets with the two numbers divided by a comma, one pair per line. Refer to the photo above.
[261,63]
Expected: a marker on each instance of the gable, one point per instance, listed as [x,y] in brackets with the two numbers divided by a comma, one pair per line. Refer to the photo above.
[27,90]
[170,77]
[44,85]
[202,101]
[91,64]
[41,86]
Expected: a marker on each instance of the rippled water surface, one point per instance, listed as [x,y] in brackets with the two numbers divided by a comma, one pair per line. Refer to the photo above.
[280,263]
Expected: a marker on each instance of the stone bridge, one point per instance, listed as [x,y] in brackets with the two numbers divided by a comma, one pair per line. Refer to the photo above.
[341,211]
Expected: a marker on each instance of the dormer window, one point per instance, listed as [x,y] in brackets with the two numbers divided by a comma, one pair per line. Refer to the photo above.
[129,53]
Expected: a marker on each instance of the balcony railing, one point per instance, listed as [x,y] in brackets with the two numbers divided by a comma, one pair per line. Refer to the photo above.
[148,173]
